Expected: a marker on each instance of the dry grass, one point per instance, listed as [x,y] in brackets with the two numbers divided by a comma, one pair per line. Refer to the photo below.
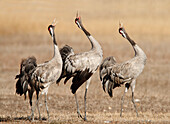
[24,33]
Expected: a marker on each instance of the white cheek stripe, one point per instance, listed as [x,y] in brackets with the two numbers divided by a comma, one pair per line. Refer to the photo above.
[79,25]
[51,31]
[123,34]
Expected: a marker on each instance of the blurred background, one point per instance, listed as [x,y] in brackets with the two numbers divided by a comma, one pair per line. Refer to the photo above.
[23,33]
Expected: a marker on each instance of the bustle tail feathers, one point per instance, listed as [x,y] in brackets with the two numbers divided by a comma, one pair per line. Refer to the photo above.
[106,66]
[113,80]
[79,79]
[65,52]
[27,67]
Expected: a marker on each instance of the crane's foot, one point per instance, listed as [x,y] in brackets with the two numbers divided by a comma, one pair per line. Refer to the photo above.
[85,119]
[137,114]
[48,119]
[40,119]
[121,113]
[31,118]
[79,115]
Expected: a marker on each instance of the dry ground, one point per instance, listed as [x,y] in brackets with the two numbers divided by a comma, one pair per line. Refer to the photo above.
[23,33]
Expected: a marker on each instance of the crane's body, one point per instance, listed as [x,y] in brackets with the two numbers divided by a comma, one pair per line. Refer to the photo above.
[43,75]
[81,66]
[113,74]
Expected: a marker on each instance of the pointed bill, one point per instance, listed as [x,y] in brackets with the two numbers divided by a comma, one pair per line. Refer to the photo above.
[77,14]
[120,24]
[54,22]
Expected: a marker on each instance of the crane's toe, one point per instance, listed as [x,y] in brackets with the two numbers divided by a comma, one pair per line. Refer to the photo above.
[79,115]
[40,118]
[31,118]
[85,119]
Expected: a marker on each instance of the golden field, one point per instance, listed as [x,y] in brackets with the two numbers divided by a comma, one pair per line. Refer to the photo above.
[23,33]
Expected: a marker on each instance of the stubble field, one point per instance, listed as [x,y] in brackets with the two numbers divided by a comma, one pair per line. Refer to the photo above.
[23,33]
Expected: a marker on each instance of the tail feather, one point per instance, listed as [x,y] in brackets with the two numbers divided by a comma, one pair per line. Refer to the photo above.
[79,79]
[108,85]
[27,67]
[66,51]
[113,80]
[106,66]
[19,89]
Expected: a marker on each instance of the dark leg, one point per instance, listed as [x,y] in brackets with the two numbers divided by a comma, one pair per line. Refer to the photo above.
[37,103]
[30,93]
[87,86]
[46,106]
[133,101]
[134,104]
[122,100]
[78,111]
[85,119]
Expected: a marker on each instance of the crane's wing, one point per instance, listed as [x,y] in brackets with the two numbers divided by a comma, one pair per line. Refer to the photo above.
[27,67]
[80,67]
[113,74]
[65,52]
[79,79]
[106,66]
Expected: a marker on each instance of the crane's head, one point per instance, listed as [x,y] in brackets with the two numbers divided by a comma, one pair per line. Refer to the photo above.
[122,30]
[51,27]
[78,20]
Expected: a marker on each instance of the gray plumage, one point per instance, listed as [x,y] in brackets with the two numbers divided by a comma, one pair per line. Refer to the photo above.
[43,75]
[81,66]
[65,52]
[113,74]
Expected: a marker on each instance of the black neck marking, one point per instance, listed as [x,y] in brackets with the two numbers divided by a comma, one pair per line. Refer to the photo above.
[130,40]
[54,40]
[85,31]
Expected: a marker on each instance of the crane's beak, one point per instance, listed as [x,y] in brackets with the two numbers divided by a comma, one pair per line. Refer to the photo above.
[77,14]
[54,22]
[120,24]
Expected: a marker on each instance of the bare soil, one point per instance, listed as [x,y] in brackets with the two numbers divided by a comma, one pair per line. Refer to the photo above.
[24,33]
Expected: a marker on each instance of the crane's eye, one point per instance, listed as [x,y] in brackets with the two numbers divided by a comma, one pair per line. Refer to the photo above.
[122,33]
[76,20]
[49,29]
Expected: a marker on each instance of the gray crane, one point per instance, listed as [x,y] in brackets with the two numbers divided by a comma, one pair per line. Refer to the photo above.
[113,74]
[81,66]
[43,75]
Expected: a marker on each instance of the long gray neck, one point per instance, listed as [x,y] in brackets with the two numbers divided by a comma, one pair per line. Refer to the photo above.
[137,49]
[53,38]
[93,41]
[56,49]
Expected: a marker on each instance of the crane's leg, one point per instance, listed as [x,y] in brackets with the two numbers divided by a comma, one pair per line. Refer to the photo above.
[78,111]
[46,106]
[30,93]
[122,100]
[87,85]
[37,103]
[133,101]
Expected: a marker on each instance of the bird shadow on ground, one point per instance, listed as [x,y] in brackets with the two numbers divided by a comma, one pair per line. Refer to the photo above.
[8,119]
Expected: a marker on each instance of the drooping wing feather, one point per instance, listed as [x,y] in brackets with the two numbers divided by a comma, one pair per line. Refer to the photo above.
[65,52]
[113,75]
[27,67]
[106,66]
[80,67]
[79,79]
